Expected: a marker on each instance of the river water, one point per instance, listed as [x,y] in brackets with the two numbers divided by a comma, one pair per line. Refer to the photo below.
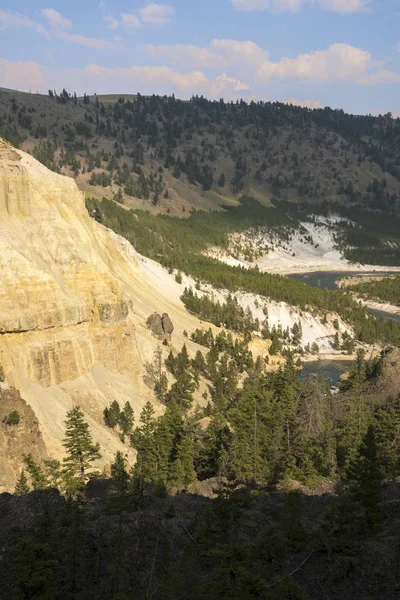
[333,369]
[329,369]
[328,280]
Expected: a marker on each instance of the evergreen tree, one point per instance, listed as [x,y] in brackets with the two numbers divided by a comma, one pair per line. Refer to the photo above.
[22,486]
[368,476]
[81,452]
[119,476]
[112,414]
[183,467]
[145,470]
[38,479]
[126,420]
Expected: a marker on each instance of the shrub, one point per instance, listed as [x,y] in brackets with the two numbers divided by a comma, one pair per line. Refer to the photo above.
[12,419]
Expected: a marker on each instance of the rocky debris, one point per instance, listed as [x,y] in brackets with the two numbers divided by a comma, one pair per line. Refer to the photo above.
[167,325]
[161,326]
[154,322]
[19,435]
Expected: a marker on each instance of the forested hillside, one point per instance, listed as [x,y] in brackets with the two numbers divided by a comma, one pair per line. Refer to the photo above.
[150,532]
[170,155]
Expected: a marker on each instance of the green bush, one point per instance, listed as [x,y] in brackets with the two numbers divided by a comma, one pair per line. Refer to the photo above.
[12,419]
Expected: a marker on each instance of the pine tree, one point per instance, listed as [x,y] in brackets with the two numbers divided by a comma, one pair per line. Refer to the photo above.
[112,414]
[184,468]
[126,420]
[80,448]
[35,472]
[22,486]
[119,476]
[143,440]
[369,477]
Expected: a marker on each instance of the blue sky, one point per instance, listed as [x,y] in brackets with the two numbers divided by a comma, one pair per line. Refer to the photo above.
[339,53]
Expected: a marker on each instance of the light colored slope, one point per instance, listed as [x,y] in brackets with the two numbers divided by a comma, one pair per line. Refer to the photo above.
[74,300]
[298,255]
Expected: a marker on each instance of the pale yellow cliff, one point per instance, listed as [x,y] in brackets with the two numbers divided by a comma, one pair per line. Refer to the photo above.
[74,300]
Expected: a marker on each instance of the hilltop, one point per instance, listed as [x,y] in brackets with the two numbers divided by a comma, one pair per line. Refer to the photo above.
[168,155]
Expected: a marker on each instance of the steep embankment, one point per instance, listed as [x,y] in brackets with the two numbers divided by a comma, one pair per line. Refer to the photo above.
[312,246]
[74,301]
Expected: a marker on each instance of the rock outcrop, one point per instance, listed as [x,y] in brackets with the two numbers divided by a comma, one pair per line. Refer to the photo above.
[386,387]
[19,435]
[167,325]
[160,326]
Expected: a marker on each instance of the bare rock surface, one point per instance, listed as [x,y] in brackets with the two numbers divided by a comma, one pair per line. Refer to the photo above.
[161,326]
[155,324]
[19,435]
[74,300]
[167,325]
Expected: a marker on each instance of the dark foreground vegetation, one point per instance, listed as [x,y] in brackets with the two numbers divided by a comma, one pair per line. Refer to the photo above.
[149,532]
[244,544]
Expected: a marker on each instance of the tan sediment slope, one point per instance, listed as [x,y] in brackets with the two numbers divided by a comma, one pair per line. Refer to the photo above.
[74,299]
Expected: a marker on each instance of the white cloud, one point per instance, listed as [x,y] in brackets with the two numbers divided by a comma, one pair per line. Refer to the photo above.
[157,14]
[339,6]
[220,53]
[8,19]
[98,44]
[123,80]
[111,22]
[130,21]
[337,63]
[22,75]
[55,19]
[345,6]
[380,77]
[303,103]
[159,80]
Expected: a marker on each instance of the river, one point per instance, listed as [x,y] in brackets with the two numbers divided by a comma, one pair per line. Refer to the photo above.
[328,280]
[333,369]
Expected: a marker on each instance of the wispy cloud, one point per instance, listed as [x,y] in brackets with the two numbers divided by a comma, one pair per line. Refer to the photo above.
[338,63]
[98,44]
[22,75]
[58,25]
[8,19]
[157,14]
[303,103]
[111,22]
[151,14]
[55,19]
[130,21]
[339,6]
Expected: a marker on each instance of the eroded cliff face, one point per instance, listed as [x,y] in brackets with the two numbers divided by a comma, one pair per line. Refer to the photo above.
[74,303]
[68,334]
[17,436]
